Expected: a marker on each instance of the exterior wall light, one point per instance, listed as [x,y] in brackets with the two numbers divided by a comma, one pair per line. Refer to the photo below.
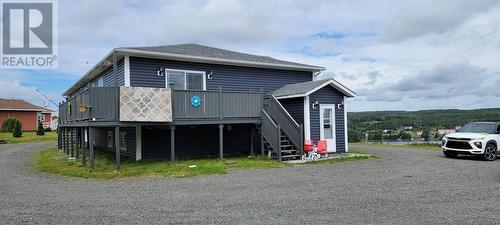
[160,72]
[210,75]
[315,104]
[341,105]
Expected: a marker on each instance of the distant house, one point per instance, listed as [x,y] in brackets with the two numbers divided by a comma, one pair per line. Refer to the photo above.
[27,113]
[189,99]
[446,131]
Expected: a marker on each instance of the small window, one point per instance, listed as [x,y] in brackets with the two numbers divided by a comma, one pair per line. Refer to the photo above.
[100,82]
[110,138]
[123,141]
[185,80]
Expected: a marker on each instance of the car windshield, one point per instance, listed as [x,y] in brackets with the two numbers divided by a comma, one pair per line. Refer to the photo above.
[478,128]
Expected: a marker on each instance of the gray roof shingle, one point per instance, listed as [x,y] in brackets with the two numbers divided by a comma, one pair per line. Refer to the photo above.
[216,53]
[305,87]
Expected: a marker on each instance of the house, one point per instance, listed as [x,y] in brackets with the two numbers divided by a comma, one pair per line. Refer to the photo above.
[446,131]
[27,113]
[189,99]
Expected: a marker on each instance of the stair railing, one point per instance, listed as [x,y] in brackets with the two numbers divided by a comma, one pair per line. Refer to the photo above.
[272,133]
[288,125]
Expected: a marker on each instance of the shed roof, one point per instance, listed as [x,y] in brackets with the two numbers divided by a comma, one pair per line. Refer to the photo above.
[307,88]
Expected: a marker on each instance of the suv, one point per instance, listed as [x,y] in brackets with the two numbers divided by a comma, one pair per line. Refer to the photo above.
[475,138]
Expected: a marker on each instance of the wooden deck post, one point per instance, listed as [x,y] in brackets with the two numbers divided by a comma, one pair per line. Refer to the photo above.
[262,152]
[221,141]
[63,139]
[72,134]
[77,144]
[91,148]
[252,153]
[82,142]
[172,143]
[117,147]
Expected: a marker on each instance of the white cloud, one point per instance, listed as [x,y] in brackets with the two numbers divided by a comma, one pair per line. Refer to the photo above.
[385,42]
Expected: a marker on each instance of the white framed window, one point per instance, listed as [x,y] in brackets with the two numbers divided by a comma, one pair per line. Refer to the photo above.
[100,82]
[186,79]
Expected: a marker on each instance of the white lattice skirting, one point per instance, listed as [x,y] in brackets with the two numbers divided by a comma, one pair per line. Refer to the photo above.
[142,104]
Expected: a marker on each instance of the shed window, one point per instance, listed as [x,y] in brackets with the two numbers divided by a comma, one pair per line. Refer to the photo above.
[100,82]
[123,141]
[110,137]
[185,80]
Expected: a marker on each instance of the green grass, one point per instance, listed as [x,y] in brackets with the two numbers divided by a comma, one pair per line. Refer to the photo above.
[413,146]
[54,161]
[28,137]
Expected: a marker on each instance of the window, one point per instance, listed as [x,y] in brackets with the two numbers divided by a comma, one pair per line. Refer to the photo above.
[185,80]
[100,82]
[123,141]
[110,138]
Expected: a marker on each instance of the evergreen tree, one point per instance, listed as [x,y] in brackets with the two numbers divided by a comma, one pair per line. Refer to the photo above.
[17,130]
[40,131]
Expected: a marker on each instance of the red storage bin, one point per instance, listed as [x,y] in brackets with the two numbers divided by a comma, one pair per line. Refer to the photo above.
[308,145]
[322,147]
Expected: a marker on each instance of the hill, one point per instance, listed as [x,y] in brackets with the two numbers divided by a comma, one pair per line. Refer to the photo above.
[363,124]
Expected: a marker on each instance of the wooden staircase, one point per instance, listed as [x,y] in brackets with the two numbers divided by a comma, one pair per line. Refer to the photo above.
[288,151]
[282,137]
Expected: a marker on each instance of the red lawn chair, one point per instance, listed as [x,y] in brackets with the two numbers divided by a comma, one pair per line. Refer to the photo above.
[308,145]
[322,147]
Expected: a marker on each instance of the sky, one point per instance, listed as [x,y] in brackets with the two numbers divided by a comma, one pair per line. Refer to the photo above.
[396,55]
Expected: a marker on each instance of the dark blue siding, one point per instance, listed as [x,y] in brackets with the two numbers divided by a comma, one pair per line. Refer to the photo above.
[294,106]
[107,75]
[143,73]
[328,95]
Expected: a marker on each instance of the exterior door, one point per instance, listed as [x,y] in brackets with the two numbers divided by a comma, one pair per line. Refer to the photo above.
[327,125]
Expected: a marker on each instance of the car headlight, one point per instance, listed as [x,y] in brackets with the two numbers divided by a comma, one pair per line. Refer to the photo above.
[478,144]
[443,141]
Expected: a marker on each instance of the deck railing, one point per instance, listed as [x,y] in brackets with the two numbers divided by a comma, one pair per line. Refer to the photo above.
[285,121]
[117,104]
[216,104]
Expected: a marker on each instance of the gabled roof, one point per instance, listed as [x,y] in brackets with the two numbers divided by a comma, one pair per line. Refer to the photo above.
[20,105]
[307,88]
[215,53]
[192,53]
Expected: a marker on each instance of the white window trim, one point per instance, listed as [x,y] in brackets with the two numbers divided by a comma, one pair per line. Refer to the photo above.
[126,70]
[307,119]
[204,73]
[334,126]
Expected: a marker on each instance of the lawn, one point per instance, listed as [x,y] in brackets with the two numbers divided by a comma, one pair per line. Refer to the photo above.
[54,161]
[28,137]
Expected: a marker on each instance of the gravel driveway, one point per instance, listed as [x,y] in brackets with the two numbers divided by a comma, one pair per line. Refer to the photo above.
[406,186]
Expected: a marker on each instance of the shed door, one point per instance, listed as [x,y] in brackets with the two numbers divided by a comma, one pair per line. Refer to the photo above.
[327,125]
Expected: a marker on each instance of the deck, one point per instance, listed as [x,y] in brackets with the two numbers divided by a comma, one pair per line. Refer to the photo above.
[108,106]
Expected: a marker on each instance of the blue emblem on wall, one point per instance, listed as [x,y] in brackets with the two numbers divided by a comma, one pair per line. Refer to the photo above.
[196,101]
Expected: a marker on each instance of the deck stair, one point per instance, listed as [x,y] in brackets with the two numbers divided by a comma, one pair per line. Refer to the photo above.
[282,136]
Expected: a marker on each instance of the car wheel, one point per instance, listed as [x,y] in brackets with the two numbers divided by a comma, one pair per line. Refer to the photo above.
[490,153]
[450,154]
